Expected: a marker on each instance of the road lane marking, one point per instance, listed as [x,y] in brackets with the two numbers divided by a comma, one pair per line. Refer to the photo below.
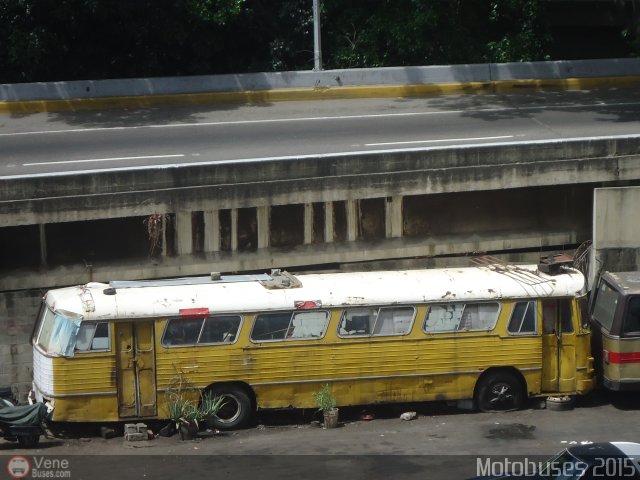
[90,160]
[436,141]
[324,156]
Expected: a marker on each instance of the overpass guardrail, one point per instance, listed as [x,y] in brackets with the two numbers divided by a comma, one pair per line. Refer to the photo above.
[323,84]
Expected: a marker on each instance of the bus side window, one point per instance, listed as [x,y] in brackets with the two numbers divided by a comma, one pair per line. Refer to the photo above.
[182,331]
[220,329]
[523,318]
[270,326]
[101,337]
[85,336]
[311,324]
[92,336]
[394,321]
[357,321]
[479,316]
[443,318]
[632,317]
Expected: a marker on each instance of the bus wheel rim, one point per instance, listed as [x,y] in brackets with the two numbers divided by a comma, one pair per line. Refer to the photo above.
[230,398]
[501,394]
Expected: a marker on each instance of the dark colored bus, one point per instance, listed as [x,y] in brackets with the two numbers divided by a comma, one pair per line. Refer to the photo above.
[615,320]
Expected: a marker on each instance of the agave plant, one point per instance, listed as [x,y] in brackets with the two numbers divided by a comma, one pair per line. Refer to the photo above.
[211,404]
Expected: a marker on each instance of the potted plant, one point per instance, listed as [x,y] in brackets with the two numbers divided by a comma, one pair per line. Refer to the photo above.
[326,403]
[210,405]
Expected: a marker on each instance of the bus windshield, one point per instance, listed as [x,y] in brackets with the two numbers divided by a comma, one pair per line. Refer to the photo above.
[58,331]
[604,308]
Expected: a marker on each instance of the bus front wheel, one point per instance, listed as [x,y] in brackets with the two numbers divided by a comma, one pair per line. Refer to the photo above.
[499,392]
[236,410]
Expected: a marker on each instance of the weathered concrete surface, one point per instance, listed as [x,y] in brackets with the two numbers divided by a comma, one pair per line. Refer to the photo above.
[18,311]
[108,194]
[616,230]
[318,80]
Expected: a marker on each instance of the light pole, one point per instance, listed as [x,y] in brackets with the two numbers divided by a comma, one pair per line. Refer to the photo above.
[317,48]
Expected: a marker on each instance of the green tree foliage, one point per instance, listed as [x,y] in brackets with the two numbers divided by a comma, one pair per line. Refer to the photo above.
[374,33]
[47,40]
[76,39]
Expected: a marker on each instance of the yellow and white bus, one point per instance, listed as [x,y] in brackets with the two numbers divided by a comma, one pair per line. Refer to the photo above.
[491,334]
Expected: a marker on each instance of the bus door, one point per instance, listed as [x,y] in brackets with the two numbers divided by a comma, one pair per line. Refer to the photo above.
[558,346]
[136,375]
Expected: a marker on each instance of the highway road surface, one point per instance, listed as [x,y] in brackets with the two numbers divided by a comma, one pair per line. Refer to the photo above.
[45,143]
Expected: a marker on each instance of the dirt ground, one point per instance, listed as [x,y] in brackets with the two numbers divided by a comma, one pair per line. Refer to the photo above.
[444,441]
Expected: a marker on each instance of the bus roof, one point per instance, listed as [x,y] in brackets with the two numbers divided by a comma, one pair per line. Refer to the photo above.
[626,282]
[263,292]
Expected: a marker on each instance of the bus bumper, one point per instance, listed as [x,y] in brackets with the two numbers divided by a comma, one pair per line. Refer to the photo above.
[621,385]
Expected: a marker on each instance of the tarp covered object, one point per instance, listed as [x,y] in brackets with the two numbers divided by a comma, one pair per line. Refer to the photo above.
[23,415]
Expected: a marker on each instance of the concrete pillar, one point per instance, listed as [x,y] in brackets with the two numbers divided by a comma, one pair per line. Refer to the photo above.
[393,217]
[352,220]
[165,240]
[308,223]
[263,226]
[184,233]
[234,229]
[212,231]
[328,222]
[43,245]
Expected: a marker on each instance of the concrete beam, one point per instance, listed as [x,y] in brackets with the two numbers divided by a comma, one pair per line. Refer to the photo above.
[316,254]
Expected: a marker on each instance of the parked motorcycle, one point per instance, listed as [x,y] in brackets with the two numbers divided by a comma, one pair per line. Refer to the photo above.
[21,423]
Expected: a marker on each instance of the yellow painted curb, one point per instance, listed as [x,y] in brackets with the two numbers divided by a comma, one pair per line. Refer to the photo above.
[325,93]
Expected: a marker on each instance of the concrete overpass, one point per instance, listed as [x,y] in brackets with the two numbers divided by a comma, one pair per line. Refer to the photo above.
[404,208]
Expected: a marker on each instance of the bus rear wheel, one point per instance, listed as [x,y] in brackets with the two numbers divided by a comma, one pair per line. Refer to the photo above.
[236,411]
[499,392]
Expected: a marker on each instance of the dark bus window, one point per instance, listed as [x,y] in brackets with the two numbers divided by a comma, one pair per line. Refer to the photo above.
[523,318]
[564,310]
[605,304]
[632,317]
[182,331]
[556,316]
[220,329]
[271,326]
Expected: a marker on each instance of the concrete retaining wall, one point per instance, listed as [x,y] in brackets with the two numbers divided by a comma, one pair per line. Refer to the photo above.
[18,311]
[87,89]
